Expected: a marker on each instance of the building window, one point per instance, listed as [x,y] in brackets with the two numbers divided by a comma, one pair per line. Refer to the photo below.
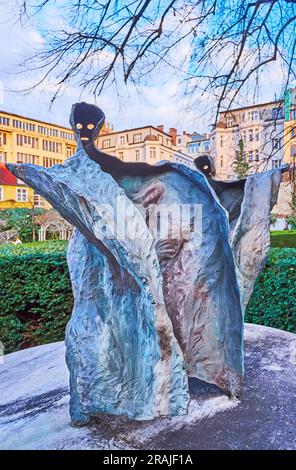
[51,146]
[1,194]
[26,141]
[2,139]
[250,155]
[4,121]
[120,155]
[257,137]
[70,151]
[229,121]
[179,141]
[293,114]
[292,132]
[122,140]
[38,200]
[42,130]
[152,153]
[251,135]
[221,161]
[21,195]
[49,162]
[3,157]
[106,143]
[276,144]
[243,117]
[66,135]
[27,158]
[53,132]
[253,116]
[277,113]
[17,124]
[161,155]
[257,155]
[137,155]
[137,138]
[26,126]
[276,163]
[221,141]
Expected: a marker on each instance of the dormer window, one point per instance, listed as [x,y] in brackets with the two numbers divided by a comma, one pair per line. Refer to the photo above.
[229,121]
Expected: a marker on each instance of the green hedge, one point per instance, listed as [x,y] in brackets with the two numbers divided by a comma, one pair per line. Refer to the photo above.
[273,302]
[35,299]
[36,296]
[36,248]
[283,238]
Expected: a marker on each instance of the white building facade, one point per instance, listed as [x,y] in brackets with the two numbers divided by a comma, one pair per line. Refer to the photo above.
[261,129]
[194,145]
[148,144]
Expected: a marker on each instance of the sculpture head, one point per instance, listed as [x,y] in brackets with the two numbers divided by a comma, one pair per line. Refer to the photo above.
[86,120]
[205,165]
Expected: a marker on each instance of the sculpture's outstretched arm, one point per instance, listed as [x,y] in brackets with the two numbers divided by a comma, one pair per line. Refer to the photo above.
[248,202]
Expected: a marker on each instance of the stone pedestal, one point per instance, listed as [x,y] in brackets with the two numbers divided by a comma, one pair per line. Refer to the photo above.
[34,408]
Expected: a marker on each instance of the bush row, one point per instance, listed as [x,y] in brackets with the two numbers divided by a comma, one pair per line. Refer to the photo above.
[36,297]
[284,238]
[273,302]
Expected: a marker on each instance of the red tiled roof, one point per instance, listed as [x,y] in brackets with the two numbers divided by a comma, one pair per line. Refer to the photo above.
[6,177]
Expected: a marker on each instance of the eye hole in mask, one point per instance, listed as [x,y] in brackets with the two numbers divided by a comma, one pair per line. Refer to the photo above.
[79,126]
[90,126]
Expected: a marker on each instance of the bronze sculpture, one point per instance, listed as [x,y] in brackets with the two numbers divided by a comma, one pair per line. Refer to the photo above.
[150,311]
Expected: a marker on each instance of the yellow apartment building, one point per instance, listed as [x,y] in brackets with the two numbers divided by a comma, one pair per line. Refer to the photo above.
[27,140]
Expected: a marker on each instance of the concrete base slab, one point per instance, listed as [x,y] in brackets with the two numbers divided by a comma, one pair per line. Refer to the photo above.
[34,398]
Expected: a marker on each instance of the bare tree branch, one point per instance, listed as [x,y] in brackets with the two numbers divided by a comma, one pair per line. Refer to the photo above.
[102,41]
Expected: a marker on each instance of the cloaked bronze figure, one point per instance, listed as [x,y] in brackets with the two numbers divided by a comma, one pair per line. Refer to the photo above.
[152,307]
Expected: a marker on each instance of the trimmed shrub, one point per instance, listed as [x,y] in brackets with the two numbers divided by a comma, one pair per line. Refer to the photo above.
[273,302]
[36,296]
[35,289]
[33,248]
[283,238]
[11,333]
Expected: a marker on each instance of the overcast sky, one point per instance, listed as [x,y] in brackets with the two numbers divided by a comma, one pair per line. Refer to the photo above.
[157,102]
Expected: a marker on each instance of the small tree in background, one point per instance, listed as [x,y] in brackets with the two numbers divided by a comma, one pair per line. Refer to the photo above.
[240,165]
[292,219]
[22,220]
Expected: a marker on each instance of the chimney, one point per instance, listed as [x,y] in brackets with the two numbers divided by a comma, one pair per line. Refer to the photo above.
[161,128]
[173,134]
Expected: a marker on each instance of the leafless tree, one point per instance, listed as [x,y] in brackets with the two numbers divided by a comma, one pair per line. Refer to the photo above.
[229,42]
